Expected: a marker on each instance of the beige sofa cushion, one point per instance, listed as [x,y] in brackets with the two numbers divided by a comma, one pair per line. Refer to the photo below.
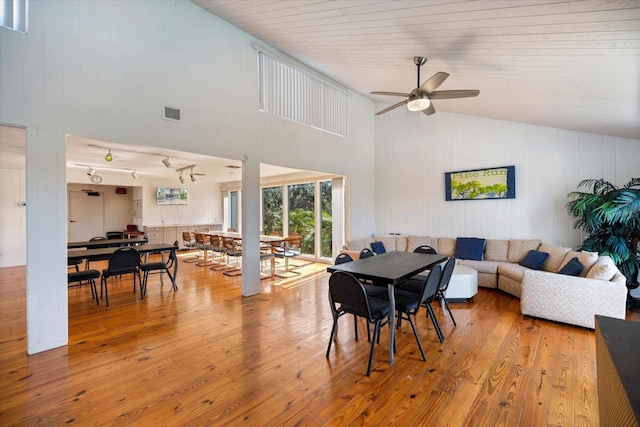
[555,258]
[414,241]
[518,249]
[587,259]
[446,246]
[512,271]
[389,242]
[496,250]
[359,244]
[401,243]
[481,266]
[603,269]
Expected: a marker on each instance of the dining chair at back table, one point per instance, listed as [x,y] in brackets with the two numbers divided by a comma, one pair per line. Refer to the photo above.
[124,260]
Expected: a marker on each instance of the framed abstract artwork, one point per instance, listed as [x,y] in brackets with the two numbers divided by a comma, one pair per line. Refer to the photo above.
[481,184]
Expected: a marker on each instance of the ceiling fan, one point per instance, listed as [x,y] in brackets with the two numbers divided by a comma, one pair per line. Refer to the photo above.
[420,98]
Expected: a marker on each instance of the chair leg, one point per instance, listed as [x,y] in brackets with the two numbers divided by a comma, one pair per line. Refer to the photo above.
[143,286]
[106,290]
[355,325]
[415,334]
[446,304]
[376,335]
[436,325]
[333,331]
[94,291]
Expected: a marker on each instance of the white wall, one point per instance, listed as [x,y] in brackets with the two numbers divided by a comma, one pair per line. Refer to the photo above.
[106,69]
[413,152]
[204,199]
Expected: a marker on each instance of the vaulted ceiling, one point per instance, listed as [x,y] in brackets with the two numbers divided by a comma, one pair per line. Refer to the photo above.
[565,64]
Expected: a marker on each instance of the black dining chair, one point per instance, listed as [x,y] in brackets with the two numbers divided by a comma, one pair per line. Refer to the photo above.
[160,267]
[84,277]
[408,303]
[425,249]
[366,253]
[348,296]
[125,260]
[447,271]
[342,258]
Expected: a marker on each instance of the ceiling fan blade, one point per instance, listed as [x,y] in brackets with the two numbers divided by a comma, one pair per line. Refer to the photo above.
[392,107]
[434,81]
[429,110]
[390,94]
[449,94]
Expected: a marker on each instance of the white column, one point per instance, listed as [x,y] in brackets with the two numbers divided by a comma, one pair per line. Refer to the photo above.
[47,309]
[250,215]
[337,215]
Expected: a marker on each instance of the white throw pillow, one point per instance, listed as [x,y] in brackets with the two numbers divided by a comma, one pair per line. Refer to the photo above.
[603,269]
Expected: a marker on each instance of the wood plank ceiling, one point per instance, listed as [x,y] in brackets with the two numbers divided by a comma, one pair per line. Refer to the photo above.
[565,64]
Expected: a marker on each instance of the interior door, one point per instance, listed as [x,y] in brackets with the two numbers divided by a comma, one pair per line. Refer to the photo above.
[86,215]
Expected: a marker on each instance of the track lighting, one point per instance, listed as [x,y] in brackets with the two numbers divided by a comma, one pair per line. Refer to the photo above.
[108,157]
[166,162]
[134,175]
[91,171]
[193,178]
[181,178]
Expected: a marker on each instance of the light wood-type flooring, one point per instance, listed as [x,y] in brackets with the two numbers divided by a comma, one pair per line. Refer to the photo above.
[205,355]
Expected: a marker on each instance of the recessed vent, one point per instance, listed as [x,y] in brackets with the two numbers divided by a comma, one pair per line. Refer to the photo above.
[171,114]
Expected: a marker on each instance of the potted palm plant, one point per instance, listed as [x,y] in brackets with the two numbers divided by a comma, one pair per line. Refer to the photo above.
[611,217]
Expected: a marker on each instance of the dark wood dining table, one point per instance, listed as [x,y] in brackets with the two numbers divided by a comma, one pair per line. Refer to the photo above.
[107,243]
[391,268]
[99,254]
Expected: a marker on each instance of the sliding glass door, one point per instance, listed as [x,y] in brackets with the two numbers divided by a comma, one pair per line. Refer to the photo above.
[272,208]
[301,219]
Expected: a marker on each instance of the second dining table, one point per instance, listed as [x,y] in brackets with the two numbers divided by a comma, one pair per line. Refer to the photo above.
[392,268]
[99,254]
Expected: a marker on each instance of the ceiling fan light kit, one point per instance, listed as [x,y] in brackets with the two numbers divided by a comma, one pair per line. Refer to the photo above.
[420,98]
[418,102]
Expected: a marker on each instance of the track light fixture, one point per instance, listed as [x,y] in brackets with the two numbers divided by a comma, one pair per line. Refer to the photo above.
[166,162]
[134,174]
[193,178]
[181,178]
[109,156]
[91,171]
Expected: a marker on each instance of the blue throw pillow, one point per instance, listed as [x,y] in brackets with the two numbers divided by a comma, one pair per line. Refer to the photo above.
[572,268]
[469,248]
[378,248]
[534,260]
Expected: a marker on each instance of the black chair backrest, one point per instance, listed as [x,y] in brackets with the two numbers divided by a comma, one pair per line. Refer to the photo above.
[425,249]
[366,253]
[342,258]
[447,271]
[432,284]
[124,260]
[345,289]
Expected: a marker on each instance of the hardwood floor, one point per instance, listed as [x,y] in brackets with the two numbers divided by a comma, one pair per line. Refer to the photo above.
[207,356]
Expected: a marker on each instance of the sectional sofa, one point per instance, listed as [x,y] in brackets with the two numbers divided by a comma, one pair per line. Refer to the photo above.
[598,288]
